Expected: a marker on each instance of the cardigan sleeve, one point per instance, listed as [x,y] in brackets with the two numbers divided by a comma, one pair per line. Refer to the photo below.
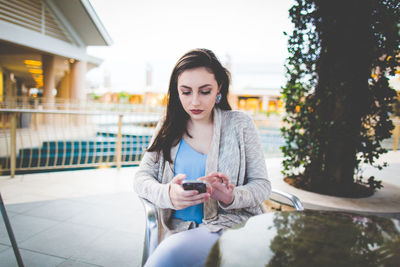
[257,187]
[145,182]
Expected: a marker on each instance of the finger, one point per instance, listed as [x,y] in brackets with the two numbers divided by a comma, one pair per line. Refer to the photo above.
[231,186]
[176,187]
[176,191]
[185,201]
[207,179]
[188,203]
[189,193]
[225,179]
[213,174]
[223,187]
[194,202]
[209,189]
[178,178]
[219,186]
[202,178]
[198,197]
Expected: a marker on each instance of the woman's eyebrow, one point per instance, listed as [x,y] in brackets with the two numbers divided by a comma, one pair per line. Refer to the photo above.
[203,86]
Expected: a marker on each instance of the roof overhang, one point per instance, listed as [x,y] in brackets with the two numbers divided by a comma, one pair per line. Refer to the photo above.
[78,18]
[83,18]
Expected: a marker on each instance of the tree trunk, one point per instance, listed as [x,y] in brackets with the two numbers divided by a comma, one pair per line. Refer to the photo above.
[342,89]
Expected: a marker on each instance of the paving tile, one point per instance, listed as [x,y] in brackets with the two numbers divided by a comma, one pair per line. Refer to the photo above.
[29,258]
[24,227]
[4,247]
[10,213]
[24,193]
[126,200]
[122,211]
[59,210]
[114,248]
[4,240]
[99,216]
[75,263]
[25,207]
[110,217]
[63,240]
[134,222]
[99,230]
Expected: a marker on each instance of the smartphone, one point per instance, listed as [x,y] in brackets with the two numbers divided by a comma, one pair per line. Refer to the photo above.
[200,186]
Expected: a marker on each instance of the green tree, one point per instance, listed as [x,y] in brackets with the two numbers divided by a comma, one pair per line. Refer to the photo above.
[337,96]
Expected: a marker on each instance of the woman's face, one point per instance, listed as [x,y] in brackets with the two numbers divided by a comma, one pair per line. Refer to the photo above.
[197,90]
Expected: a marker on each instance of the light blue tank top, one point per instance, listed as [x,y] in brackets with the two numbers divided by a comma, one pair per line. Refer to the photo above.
[192,163]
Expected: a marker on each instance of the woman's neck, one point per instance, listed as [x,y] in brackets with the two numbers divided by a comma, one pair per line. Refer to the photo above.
[201,123]
[200,135]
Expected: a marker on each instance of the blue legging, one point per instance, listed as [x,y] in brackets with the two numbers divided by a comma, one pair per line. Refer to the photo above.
[187,248]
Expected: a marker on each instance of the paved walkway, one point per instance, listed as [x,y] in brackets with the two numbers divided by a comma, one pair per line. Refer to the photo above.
[93,217]
[73,218]
[385,200]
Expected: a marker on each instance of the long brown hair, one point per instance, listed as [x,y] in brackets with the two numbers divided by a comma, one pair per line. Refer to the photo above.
[174,125]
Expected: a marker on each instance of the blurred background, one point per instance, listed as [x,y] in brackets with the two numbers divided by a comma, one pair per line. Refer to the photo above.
[83,82]
[82,86]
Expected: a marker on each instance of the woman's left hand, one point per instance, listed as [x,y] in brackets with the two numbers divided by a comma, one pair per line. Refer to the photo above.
[222,188]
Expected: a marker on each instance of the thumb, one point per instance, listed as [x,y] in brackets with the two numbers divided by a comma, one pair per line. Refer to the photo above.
[202,178]
[178,179]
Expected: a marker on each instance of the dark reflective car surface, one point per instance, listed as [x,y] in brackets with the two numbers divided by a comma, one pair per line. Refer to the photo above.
[310,238]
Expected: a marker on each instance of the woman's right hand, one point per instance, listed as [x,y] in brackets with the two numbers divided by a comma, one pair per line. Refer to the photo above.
[181,198]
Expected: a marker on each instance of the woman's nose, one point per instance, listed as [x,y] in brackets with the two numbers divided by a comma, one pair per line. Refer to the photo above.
[195,99]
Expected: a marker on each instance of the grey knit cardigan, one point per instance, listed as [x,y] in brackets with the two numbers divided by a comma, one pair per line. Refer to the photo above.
[235,151]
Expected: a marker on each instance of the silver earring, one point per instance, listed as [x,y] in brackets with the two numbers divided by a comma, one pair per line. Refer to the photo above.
[218,98]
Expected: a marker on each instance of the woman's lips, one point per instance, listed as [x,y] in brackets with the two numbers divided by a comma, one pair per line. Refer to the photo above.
[196,111]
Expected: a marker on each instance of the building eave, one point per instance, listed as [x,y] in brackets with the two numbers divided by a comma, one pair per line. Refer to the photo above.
[97,23]
[83,18]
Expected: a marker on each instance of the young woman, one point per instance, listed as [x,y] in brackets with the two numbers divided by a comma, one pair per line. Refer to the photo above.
[201,138]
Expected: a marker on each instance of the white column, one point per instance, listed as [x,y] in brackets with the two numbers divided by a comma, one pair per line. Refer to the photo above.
[49,79]
[10,87]
[64,90]
[77,81]
[77,91]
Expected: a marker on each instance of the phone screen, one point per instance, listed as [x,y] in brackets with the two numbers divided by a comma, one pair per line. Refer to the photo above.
[195,185]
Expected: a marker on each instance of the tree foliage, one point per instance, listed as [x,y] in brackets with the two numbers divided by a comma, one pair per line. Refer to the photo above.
[337,96]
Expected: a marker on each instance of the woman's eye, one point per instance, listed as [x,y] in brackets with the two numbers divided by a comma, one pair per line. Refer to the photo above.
[206,92]
[185,92]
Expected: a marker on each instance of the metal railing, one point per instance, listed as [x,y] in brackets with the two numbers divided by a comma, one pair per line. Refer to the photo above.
[42,103]
[38,134]
[35,139]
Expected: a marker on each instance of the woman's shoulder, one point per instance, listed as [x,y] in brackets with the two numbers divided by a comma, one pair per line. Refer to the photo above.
[236,116]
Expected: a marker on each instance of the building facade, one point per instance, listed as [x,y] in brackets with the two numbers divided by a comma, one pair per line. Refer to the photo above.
[43,48]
